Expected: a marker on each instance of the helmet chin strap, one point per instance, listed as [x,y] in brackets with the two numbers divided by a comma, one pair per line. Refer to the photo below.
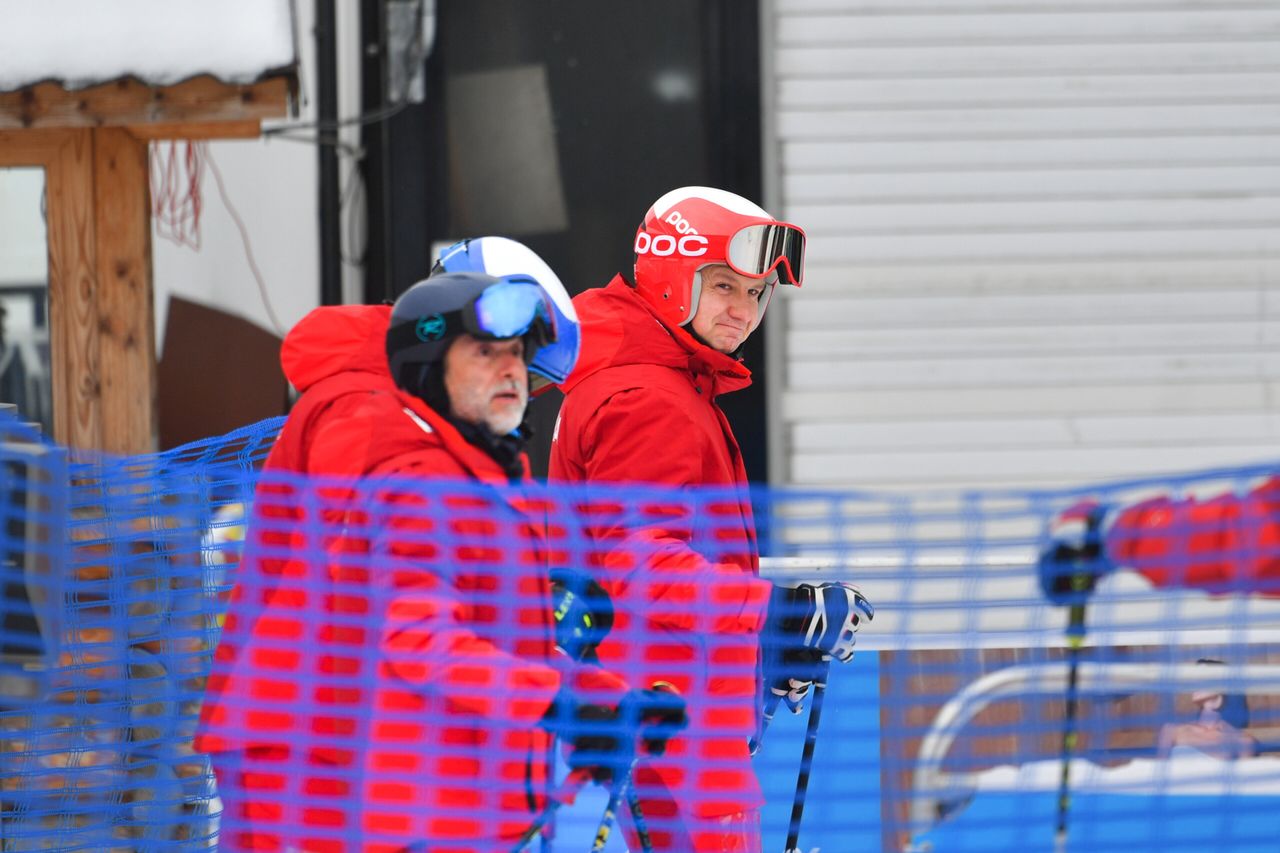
[695,291]
[770,285]
[432,391]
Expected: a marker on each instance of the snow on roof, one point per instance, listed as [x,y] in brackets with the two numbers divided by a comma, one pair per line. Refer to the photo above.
[82,43]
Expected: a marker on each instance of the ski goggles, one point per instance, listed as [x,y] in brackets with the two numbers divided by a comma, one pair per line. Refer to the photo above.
[514,307]
[757,250]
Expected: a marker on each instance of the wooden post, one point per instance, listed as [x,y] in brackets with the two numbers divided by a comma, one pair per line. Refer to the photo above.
[124,315]
[73,291]
[101,319]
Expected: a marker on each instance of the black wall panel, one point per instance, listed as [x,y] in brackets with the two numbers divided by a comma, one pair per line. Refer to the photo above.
[557,123]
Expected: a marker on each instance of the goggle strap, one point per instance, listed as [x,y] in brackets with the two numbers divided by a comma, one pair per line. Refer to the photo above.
[403,336]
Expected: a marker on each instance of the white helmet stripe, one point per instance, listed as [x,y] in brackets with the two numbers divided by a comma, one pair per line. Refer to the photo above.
[729,201]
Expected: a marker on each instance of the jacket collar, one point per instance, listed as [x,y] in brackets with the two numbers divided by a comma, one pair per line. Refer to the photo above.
[477,463]
[619,328]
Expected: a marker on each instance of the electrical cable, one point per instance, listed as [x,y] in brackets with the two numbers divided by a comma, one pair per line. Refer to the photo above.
[381,114]
[244,237]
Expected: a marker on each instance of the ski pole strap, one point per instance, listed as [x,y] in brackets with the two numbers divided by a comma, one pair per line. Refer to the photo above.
[771,701]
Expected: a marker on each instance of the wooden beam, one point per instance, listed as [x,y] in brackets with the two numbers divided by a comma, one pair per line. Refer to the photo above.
[203,100]
[124,314]
[73,292]
[248,129]
[36,148]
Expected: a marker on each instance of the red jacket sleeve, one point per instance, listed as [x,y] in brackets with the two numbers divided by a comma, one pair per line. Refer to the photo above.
[1228,543]
[637,437]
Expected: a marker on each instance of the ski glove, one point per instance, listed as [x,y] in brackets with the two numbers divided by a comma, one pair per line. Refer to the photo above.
[789,675]
[1076,555]
[583,614]
[824,618]
[805,626]
[659,714]
[603,739]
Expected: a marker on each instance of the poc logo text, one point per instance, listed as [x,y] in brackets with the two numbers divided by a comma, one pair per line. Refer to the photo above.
[682,225]
[663,245]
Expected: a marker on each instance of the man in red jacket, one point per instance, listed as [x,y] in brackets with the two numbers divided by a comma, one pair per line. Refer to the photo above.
[640,407]
[387,677]
[1227,543]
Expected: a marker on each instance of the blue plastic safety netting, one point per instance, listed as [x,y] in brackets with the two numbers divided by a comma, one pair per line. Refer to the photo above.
[369,664]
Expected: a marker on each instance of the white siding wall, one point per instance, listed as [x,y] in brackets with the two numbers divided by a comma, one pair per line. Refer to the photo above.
[1044,238]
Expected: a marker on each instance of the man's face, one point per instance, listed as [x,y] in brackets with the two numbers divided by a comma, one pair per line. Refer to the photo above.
[728,308]
[1207,699]
[487,382]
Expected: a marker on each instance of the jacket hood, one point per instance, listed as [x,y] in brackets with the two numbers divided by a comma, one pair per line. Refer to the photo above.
[336,339]
[620,328]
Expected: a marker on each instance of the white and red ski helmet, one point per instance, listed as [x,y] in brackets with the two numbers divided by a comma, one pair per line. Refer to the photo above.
[694,227]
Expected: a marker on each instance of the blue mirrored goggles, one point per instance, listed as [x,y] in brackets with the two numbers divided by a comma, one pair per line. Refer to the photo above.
[514,307]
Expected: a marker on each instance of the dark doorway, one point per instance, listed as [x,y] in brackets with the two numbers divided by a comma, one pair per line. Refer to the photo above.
[557,124]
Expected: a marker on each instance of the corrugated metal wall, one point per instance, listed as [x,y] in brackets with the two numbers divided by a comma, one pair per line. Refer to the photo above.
[1044,238]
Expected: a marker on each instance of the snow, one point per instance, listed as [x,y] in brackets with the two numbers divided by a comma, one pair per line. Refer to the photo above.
[85,42]
[1186,771]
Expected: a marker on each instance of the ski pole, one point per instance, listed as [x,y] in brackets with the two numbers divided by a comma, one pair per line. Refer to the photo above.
[1069,570]
[1075,639]
[806,758]
[637,818]
[771,702]
[611,809]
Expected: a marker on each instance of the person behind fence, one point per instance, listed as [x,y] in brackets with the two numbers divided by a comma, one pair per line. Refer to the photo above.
[1221,544]
[1219,727]
[389,678]
[641,407]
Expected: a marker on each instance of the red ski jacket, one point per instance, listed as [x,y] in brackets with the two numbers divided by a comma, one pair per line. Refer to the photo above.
[640,408]
[1228,543]
[430,732]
